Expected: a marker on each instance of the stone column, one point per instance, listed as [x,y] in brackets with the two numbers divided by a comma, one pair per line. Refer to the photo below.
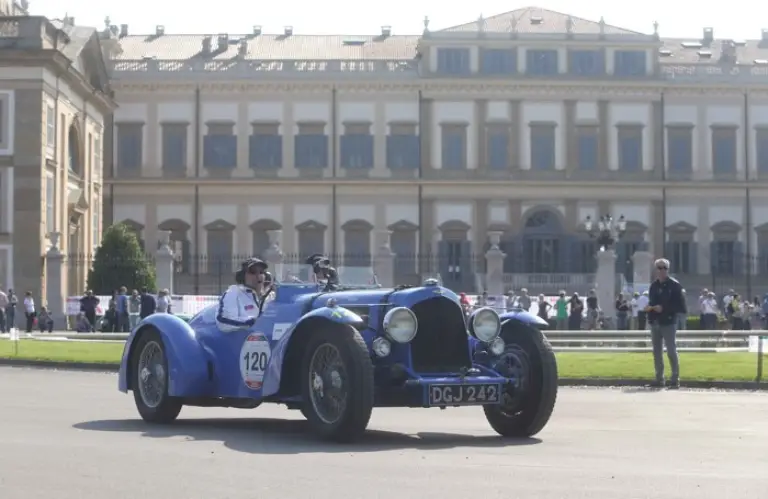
[494,257]
[274,254]
[164,263]
[384,260]
[642,261]
[605,282]
[56,299]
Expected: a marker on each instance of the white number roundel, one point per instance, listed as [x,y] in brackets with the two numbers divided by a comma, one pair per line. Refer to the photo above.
[254,358]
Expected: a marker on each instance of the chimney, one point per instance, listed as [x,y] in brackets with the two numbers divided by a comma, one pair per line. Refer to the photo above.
[764,36]
[728,52]
[206,45]
[709,35]
[123,30]
[222,42]
[386,31]
[288,30]
[159,30]
[256,30]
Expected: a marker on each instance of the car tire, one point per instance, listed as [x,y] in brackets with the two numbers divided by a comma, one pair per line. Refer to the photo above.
[356,361]
[525,410]
[167,409]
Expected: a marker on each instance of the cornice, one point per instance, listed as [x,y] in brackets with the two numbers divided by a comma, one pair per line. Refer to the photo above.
[530,88]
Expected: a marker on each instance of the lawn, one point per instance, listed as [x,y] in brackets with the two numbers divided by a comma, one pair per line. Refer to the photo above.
[693,366]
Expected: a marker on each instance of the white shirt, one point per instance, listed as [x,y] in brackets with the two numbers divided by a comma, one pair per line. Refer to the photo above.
[642,302]
[635,308]
[727,299]
[238,309]
[29,304]
[709,306]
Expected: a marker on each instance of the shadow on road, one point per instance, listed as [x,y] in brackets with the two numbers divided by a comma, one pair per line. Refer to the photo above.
[284,436]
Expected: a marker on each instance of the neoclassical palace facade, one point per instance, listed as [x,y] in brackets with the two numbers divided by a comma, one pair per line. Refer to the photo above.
[523,123]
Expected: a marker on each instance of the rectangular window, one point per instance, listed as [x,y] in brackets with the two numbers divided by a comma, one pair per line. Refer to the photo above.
[630,148]
[403,147]
[587,145]
[50,203]
[724,149]
[680,149]
[541,62]
[498,62]
[220,147]
[175,146]
[586,62]
[498,147]
[96,220]
[356,146]
[311,147]
[98,164]
[265,152]
[543,147]
[681,257]
[629,63]
[454,147]
[50,126]
[453,61]
[129,146]
[761,135]
[725,257]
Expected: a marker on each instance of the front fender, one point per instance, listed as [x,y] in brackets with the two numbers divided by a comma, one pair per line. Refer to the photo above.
[525,317]
[187,359]
[339,315]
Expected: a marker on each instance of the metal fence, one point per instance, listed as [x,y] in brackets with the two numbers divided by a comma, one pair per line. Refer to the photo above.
[211,273]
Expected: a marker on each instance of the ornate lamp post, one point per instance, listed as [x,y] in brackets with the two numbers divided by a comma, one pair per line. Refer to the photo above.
[607,230]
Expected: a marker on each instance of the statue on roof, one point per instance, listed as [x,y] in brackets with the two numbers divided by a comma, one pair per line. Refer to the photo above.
[481,23]
[569,24]
[426,24]
[656,28]
[513,24]
[602,25]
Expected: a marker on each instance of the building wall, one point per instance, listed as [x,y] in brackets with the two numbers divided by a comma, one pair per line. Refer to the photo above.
[30,159]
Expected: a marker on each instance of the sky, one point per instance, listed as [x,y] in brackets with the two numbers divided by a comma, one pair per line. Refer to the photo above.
[737,19]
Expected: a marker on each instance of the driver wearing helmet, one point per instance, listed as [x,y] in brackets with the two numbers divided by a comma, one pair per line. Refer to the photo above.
[239,305]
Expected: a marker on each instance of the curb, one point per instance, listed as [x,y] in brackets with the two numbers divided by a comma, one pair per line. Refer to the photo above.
[63,366]
[572,382]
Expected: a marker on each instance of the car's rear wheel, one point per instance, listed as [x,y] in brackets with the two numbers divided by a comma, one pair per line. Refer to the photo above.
[526,407]
[149,369]
[337,383]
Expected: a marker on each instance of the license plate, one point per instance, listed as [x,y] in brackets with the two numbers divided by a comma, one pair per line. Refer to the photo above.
[469,394]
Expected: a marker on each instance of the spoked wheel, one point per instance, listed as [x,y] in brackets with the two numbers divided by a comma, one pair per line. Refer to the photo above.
[526,406]
[337,385]
[149,367]
[329,383]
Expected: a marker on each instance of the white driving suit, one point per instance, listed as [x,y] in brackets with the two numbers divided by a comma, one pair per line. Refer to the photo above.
[238,309]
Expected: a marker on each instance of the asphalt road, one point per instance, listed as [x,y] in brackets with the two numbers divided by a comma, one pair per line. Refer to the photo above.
[73,435]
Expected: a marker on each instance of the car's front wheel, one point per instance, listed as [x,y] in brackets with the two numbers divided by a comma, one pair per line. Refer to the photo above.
[526,407]
[149,369]
[337,383]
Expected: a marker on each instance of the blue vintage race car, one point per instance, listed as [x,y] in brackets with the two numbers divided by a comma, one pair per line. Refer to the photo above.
[336,349]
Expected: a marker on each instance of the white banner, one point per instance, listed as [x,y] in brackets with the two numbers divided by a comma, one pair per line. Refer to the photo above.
[180,304]
[754,344]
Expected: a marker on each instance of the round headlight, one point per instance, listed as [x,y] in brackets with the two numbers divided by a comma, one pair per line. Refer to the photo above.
[400,324]
[486,325]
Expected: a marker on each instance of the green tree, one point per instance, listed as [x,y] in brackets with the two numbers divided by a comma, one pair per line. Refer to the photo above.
[120,261]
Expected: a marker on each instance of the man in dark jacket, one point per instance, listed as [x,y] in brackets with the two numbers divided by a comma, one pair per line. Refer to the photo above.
[148,304]
[88,305]
[666,301]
